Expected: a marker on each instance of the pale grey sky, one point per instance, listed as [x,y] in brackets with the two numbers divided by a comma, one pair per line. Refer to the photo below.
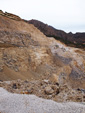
[67,15]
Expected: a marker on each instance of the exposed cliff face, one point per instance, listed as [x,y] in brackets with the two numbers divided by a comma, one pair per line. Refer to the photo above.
[26,53]
[22,49]
[76,40]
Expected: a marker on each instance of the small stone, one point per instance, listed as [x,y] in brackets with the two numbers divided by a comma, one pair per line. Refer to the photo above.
[55,88]
[49,90]
[50,96]
[54,78]
[1,69]
[14,86]
[1,80]
[46,81]
[29,91]
[26,81]
[16,69]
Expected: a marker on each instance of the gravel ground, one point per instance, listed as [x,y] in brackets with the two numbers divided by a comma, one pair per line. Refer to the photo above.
[22,103]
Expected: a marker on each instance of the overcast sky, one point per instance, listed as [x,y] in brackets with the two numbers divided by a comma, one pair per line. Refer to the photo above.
[67,15]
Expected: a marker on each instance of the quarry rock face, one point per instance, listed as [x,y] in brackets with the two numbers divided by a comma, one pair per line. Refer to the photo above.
[26,53]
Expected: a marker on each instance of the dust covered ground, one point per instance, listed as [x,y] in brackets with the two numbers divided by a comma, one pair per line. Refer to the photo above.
[22,103]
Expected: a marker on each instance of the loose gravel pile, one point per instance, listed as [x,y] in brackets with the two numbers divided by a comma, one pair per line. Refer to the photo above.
[22,103]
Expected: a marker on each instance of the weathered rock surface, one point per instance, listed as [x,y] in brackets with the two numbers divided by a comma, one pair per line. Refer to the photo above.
[26,53]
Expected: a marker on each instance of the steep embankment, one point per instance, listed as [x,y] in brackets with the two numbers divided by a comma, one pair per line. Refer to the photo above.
[26,53]
[21,49]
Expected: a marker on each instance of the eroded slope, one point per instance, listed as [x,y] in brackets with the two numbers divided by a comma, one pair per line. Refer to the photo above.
[26,53]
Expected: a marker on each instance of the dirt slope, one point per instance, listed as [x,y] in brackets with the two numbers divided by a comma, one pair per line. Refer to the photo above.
[26,53]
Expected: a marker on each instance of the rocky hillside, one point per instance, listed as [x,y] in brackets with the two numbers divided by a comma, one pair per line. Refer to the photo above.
[75,40]
[9,15]
[26,53]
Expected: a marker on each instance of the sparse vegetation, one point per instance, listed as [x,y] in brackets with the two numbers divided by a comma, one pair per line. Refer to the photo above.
[69,43]
[73,40]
